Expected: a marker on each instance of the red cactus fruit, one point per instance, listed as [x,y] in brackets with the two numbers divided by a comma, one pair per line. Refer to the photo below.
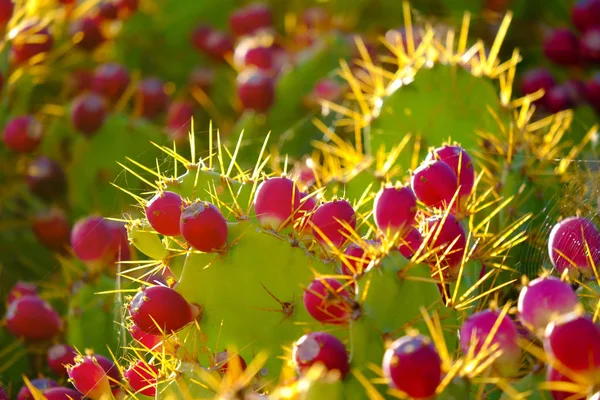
[108,10]
[111,80]
[158,309]
[323,348]
[410,243]
[590,45]
[329,222]
[79,81]
[536,79]
[552,375]
[218,45]
[261,57]
[256,90]
[249,19]
[164,277]
[164,213]
[7,7]
[434,183]
[559,98]
[32,318]
[30,40]
[443,235]
[88,113]
[574,244]
[394,210]
[275,201]
[460,162]
[411,364]
[179,120]
[91,239]
[62,393]
[222,360]
[150,342]
[561,46]
[40,383]
[327,301]
[23,134]
[357,258]
[199,35]
[87,33]
[52,229]
[151,97]
[45,178]
[111,369]
[88,377]
[574,340]
[126,8]
[119,243]
[58,356]
[476,330]
[304,213]
[326,89]
[585,14]
[142,377]
[21,289]
[203,227]
[543,299]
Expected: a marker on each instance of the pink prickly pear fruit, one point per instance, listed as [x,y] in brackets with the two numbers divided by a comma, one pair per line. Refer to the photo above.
[410,243]
[476,330]
[29,41]
[561,46]
[150,342]
[558,99]
[218,45]
[59,356]
[323,348]
[61,393]
[308,205]
[164,277]
[261,57]
[461,163]
[45,178]
[151,97]
[325,89]
[356,259]
[573,340]
[329,222]
[79,81]
[111,369]
[222,360]
[179,120]
[412,364]
[127,8]
[585,14]
[552,375]
[23,134]
[256,90]
[119,243]
[590,45]
[91,239]
[199,35]
[434,183]
[203,227]
[327,301]
[7,7]
[88,113]
[275,201]
[107,9]
[142,378]
[52,229]
[21,289]
[164,213]
[574,244]
[87,33]
[394,210]
[536,79]
[542,300]
[88,377]
[159,309]
[33,319]
[249,19]
[442,235]
[40,383]
[110,80]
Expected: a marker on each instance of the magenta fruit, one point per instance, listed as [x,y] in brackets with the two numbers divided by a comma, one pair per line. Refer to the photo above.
[218,45]
[91,239]
[7,7]
[222,360]
[358,258]
[304,213]
[88,113]
[249,19]
[460,162]
[585,14]
[179,117]
[33,319]
[110,80]
[568,246]
[327,222]
[327,301]
[441,237]
[21,289]
[158,309]
[119,242]
[561,46]
[479,326]
[79,81]
[40,383]
[151,97]
[320,347]
[412,365]
[552,375]
[87,33]
[543,299]
[275,201]
[536,79]
[88,377]
[326,89]
[150,342]
[112,371]
[126,8]
[164,277]
[58,356]
[410,243]
[108,10]
[574,341]
[142,378]
[590,45]
[23,134]
[434,183]
[256,90]
[559,98]
[576,90]
[52,229]
[199,35]
[30,41]
[164,213]
[203,227]
[260,57]
[394,210]
[62,393]
[45,178]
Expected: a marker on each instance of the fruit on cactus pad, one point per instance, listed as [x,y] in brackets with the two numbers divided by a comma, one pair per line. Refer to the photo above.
[323,348]
[356,260]
[151,342]
[410,242]
[542,300]
[86,33]
[45,178]
[561,46]
[164,213]
[88,377]
[159,309]
[62,393]
[112,371]
[7,7]
[553,375]
[573,340]
[331,221]
[179,119]
[223,358]
[23,134]
[33,319]
[559,98]
[203,227]
[448,236]
[261,57]
[475,334]
[40,383]
[110,80]
[142,377]
[394,209]
[585,14]
[256,90]
[21,289]
[151,97]
[434,183]
[275,201]
[327,301]
[127,7]
[536,79]
[574,244]
[58,356]
[460,162]
[590,45]
[249,19]
[29,40]
[218,45]
[411,364]
[91,239]
[88,113]
[52,229]
[107,9]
